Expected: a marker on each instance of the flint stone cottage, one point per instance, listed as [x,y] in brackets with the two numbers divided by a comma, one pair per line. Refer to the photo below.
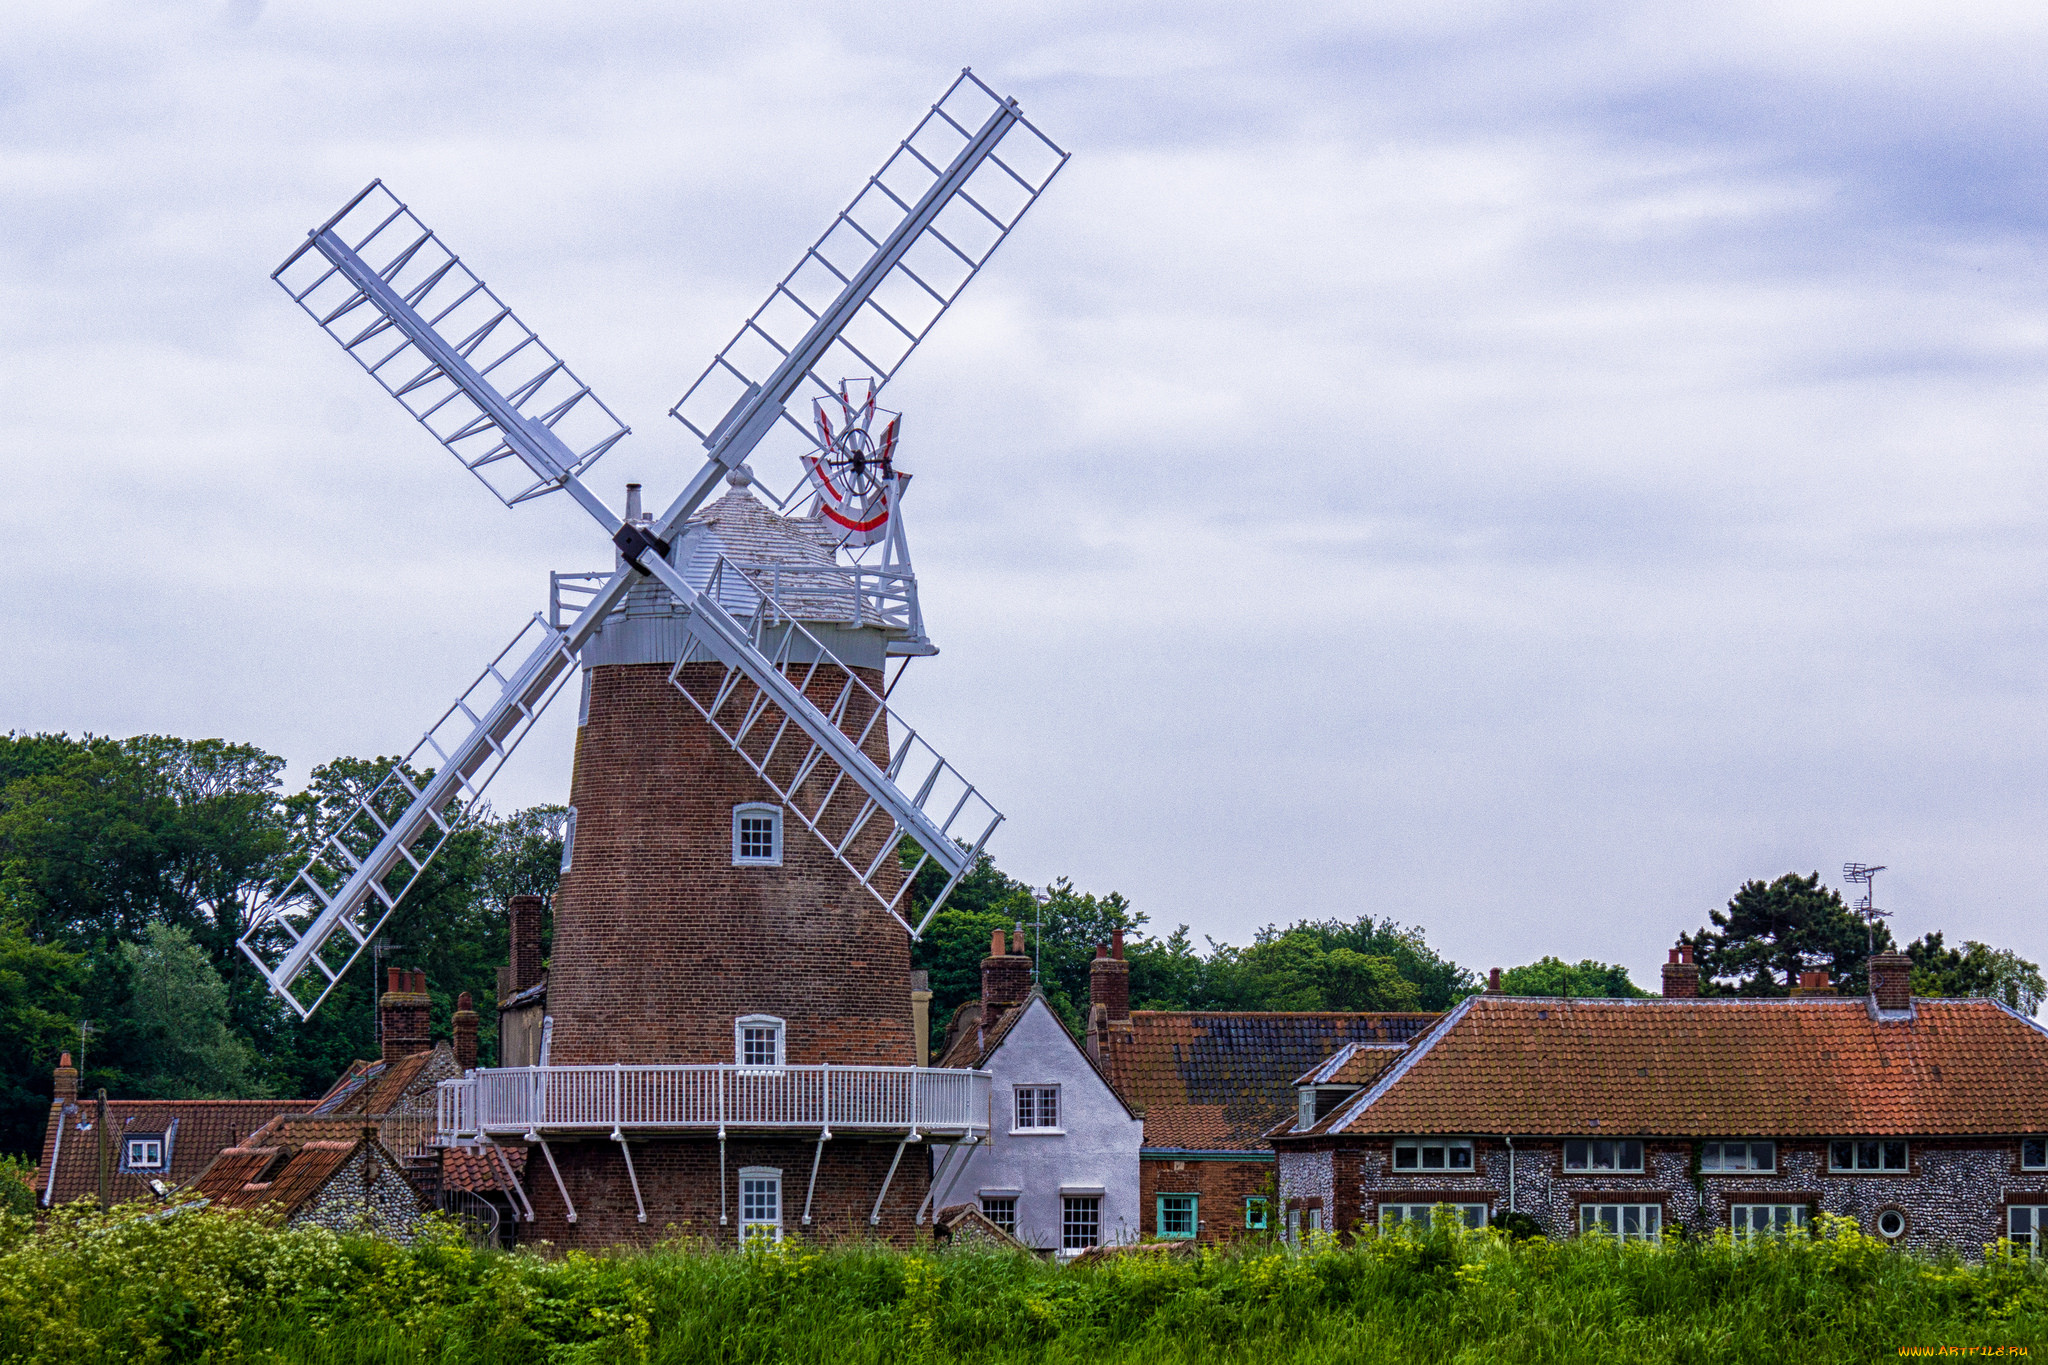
[1058,1171]
[343,1183]
[1926,1120]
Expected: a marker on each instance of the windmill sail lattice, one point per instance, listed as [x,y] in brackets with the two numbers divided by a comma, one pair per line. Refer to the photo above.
[406,308]
[872,287]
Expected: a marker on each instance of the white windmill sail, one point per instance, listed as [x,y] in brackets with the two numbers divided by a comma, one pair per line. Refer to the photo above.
[383,285]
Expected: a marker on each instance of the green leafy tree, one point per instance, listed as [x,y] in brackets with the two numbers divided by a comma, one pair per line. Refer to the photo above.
[1772,931]
[1554,976]
[1975,969]
[1299,969]
[39,999]
[174,1034]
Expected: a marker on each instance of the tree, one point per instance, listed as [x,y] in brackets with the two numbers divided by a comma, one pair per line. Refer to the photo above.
[1554,976]
[1772,931]
[39,995]
[175,1034]
[1976,969]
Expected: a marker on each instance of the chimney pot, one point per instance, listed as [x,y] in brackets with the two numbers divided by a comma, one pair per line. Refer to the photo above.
[1005,979]
[1102,950]
[995,943]
[1116,943]
[1017,942]
[64,1086]
[1493,982]
[1681,977]
[464,1028]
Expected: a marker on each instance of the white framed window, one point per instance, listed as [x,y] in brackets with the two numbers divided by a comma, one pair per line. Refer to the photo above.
[1766,1220]
[1603,1154]
[2034,1154]
[1717,1157]
[760,1203]
[1629,1222]
[1176,1216]
[2025,1224]
[145,1154]
[1001,1210]
[1038,1109]
[756,835]
[1301,1220]
[1433,1154]
[569,836]
[1080,1221]
[1420,1216]
[759,1040]
[1867,1154]
[1305,1109]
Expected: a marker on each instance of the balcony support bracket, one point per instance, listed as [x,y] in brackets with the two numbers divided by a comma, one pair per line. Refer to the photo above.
[875,1217]
[557,1170]
[619,1136]
[513,1188]
[824,1136]
[721,1176]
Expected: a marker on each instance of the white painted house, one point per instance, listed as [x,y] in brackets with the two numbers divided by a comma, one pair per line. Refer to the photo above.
[1060,1168]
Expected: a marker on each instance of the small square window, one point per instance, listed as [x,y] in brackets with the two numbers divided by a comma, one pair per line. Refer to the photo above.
[1603,1154]
[1177,1216]
[1080,1221]
[1255,1212]
[1038,1108]
[1002,1211]
[2034,1153]
[145,1154]
[757,835]
[758,1041]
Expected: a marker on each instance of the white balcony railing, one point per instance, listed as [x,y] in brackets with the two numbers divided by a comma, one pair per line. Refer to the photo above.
[513,1101]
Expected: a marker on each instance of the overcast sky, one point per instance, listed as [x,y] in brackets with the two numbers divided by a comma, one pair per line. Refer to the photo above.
[1519,468]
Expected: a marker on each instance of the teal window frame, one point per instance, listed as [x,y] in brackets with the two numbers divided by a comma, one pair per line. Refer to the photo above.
[1194,1217]
[1257,1206]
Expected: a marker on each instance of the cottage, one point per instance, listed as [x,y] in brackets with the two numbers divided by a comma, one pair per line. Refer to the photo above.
[1058,1168]
[345,1184]
[1209,1084]
[1927,1120]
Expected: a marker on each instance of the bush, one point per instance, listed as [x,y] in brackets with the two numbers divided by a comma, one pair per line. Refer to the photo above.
[198,1284]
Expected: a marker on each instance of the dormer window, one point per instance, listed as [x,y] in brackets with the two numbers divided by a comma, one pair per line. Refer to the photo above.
[145,1154]
[757,835]
[758,1041]
[1305,1109]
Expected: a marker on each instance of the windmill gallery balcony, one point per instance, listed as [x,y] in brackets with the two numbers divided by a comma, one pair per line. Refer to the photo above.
[563,1101]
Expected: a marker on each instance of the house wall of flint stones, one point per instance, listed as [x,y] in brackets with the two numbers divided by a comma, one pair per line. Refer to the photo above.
[369,1194]
[1954,1193]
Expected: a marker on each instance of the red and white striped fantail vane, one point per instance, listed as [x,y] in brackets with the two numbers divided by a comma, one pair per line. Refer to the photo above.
[853,470]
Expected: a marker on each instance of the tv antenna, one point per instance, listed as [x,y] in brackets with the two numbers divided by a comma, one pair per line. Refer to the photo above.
[860,300]
[1866,876]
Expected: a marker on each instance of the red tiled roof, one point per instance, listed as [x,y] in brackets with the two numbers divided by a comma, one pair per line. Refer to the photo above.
[1679,1068]
[475,1169]
[1218,1081]
[278,1179]
[204,1127]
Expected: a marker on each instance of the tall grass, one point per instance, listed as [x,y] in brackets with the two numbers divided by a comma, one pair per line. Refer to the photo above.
[223,1286]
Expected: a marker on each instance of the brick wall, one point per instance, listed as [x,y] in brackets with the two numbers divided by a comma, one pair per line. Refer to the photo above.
[1220,1187]
[660,942]
[679,1182]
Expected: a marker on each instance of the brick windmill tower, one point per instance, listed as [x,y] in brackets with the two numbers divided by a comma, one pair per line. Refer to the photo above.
[728,1045]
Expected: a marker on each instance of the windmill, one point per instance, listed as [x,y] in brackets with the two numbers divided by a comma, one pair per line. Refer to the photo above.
[821,736]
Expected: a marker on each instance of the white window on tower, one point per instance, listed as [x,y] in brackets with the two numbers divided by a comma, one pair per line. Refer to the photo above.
[756,835]
[758,1041]
[760,1204]
[1038,1109]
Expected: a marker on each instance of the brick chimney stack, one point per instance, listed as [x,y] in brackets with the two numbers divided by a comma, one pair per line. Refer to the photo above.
[465,1032]
[1493,982]
[1891,981]
[405,1009]
[1813,985]
[1109,981]
[1681,975]
[1005,978]
[525,913]
[65,1087]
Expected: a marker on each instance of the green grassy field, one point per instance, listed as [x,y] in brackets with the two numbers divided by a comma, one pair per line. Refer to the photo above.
[207,1286]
